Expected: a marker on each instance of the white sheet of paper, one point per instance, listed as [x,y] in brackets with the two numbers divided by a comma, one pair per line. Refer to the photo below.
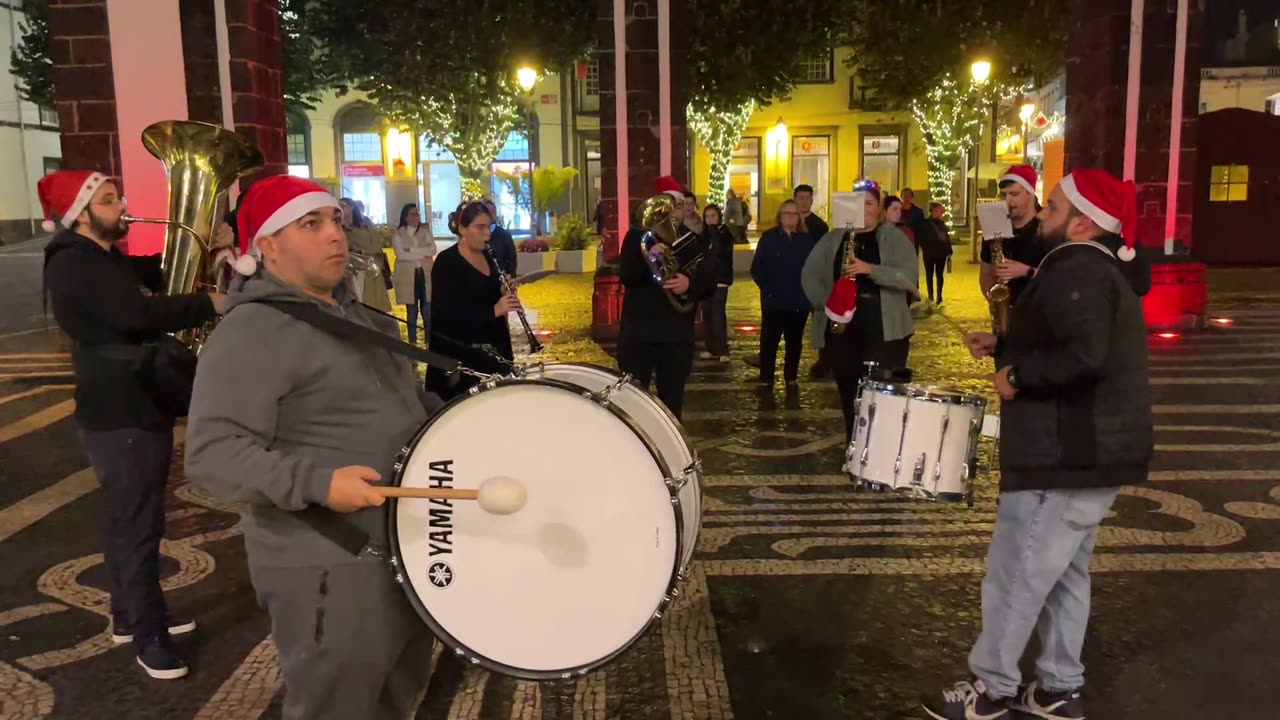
[991,426]
[848,210]
[994,219]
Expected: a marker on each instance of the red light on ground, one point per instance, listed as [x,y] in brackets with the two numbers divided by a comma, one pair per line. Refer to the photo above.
[1221,321]
[747,329]
[544,333]
[1169,335]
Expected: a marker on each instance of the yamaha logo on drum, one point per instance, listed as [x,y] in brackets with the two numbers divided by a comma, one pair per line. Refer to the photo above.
[440,575]
[440,525]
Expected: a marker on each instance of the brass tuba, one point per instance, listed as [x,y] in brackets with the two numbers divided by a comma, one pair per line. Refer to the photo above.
[682,253]
[999,293]
[202,162]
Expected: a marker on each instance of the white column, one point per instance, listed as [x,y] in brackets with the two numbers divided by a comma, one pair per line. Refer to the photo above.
[1175,128]
[224,82]
[150,85]
[664,86]
[1134,90]
[620,113]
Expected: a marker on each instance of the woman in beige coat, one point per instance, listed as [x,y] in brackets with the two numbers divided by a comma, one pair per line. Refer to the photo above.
[415,251]
[366,250]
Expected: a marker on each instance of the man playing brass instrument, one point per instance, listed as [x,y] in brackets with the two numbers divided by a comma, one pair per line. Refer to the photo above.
[94,290]
[654,338]
[1022,252]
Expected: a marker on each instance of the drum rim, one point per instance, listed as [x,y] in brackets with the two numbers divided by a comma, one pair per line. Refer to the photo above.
[916,392]
[410,590]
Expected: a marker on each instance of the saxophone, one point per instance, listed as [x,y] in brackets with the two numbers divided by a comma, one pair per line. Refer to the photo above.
[849,256]
[999,294]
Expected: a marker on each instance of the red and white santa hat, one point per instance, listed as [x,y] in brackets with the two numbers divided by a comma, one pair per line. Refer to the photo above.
[668,185]
[1108,201]
[63,194]
[1024,175]
[271,204]
[842,301]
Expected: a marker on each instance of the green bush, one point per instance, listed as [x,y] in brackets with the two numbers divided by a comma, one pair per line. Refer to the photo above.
[574,233]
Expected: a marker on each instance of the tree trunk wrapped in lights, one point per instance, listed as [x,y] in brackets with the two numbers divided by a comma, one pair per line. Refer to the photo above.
[719,130]
[951,117]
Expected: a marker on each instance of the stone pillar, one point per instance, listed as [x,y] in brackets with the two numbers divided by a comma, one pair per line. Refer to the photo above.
[1098,68]
[633,159]
[120,65]
[86,98]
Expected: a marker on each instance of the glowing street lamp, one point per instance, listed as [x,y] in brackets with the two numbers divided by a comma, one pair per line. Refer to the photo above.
[527,77]
[981,72]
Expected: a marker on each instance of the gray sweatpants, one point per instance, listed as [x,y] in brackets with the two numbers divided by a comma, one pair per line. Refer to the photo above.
[350,645]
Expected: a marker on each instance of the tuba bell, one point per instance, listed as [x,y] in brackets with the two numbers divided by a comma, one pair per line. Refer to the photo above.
[202,162]
[682,253]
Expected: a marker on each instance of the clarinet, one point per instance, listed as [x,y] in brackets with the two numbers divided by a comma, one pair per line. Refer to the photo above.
[535,347]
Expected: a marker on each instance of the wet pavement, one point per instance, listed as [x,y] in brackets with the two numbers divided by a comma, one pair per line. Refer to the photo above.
[807,600]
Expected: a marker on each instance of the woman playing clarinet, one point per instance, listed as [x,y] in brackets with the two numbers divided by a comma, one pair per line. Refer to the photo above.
[468,308]
[882,263]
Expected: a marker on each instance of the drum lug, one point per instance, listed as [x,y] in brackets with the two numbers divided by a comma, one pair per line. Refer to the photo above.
[604,396]
[917,473]
[399,579]
[401,457]
[677,483]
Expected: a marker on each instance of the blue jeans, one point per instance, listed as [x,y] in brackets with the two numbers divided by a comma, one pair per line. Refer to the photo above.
[1038,578]
[420,300]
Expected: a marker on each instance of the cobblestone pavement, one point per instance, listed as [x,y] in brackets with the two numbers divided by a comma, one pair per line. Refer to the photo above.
[807,601]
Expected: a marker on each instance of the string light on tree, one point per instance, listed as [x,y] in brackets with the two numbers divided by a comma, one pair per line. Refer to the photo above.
[951,117]
[719,130]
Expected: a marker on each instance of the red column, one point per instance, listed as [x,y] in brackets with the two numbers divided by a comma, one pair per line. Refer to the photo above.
[257,81]
[1098,70]
[85,91]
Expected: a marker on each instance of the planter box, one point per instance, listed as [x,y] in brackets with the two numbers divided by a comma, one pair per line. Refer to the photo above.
[576,261]
[527,262]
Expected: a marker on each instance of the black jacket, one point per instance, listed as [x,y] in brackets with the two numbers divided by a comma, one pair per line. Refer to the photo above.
[97,300]
[1026,247]
[720,238]
[1077,342]
[647,314]
[504,249]
[816,226]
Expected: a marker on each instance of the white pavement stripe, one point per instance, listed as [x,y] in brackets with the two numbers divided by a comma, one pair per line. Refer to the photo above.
[35,507]
[37,420]
[1102,563]
[772,480]
[249,691]
[34,391]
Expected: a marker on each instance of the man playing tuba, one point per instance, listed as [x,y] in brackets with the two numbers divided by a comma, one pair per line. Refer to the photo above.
[655,338]
[94,290]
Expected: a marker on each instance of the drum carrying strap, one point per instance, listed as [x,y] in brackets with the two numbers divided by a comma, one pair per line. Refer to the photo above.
[321,519]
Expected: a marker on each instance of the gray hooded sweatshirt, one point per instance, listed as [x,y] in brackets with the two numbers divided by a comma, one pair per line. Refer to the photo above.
[279,405]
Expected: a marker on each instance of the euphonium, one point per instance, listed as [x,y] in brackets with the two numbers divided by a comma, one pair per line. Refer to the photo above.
[657,216]
[202,162]
[999,293]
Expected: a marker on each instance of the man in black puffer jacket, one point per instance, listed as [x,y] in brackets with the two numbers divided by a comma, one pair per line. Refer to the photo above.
[1076,425]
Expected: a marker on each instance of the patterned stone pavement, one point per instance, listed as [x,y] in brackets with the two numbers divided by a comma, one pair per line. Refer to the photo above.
[807,600]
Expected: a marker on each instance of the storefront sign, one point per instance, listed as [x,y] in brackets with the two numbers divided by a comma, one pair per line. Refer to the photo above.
[363,171]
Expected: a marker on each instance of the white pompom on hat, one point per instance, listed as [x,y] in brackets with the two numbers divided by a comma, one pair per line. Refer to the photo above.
[270,205]
[1108,201]
[63,194]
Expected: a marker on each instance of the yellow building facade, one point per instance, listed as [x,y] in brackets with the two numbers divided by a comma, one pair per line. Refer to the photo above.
[822,135]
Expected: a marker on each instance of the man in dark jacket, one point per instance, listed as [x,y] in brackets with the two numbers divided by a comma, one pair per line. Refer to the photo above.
[654,338]
[1076,425]
[504,247]
[94,292]
[912,215]
[935,248]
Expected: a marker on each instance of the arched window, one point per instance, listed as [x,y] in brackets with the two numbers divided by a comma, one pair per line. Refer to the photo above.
[298,143]
[363,176]
[358,130]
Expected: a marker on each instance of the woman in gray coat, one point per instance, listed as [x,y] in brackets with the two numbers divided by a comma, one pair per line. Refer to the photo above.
[887,275]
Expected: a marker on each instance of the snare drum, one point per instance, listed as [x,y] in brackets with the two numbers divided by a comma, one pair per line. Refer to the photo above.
[917,439]
[576,576]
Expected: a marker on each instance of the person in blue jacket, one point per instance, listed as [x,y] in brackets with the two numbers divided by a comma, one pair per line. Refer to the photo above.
[780,256]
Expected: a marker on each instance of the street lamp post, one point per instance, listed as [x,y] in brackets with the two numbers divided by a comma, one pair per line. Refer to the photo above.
[980,71]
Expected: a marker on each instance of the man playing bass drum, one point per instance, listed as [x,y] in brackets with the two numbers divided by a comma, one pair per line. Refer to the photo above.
[654,338]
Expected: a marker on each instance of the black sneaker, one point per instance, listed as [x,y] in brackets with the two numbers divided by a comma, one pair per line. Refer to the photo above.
[967,701]
[121,633]
[1040,703]
[161,660]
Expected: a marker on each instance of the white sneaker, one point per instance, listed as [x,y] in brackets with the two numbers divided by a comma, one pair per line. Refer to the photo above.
[724,358]
[705,355]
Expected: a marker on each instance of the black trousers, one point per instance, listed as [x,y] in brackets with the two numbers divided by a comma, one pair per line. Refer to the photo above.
[862,342]
[713,313]
[133,467]
[775,326]
[667,363]
[934,267]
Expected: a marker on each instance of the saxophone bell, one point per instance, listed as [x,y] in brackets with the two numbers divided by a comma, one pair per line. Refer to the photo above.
[999,295]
